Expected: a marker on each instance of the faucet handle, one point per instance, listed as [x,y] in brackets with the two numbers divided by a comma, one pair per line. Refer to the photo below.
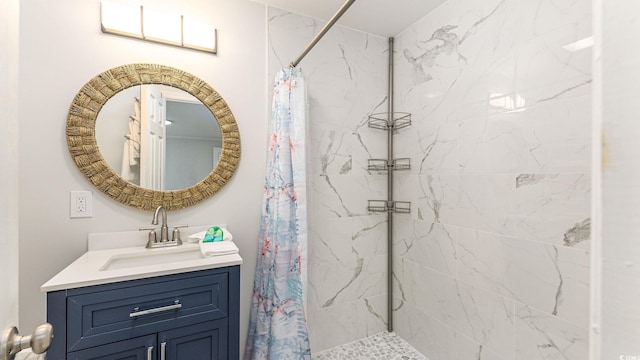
[175,236]
[152,236]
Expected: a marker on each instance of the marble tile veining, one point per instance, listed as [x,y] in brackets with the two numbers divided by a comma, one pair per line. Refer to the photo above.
[542,336]
[494,261]
[551,278]
[382,346]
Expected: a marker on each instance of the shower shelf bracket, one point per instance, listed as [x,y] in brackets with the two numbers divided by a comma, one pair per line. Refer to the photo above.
[386,165]
[387,121]
[397,207]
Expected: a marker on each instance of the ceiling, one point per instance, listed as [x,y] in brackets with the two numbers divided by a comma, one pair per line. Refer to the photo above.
[382,17]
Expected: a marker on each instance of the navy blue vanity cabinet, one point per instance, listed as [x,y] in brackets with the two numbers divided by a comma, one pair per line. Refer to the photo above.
[187,316]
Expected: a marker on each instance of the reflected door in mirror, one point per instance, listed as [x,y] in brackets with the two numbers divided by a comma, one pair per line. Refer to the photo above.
[153,138]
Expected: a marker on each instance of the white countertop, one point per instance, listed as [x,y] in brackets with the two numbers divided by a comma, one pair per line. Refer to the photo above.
[87,269]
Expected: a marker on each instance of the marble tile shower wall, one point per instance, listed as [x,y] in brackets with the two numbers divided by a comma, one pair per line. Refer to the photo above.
[346,81]
[493,263]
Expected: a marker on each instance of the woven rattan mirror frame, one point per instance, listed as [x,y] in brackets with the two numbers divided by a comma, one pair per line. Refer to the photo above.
[81,139]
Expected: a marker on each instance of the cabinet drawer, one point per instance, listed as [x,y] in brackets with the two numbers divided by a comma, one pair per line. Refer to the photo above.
[115,312]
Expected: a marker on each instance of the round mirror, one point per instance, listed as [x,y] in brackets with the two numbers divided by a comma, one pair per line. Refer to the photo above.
[150,135]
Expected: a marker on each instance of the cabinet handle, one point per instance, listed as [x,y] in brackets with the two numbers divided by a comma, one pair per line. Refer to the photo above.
[137,312]
[163,350]
[150,353]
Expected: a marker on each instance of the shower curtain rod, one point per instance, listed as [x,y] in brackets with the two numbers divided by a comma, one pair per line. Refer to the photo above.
[324,30]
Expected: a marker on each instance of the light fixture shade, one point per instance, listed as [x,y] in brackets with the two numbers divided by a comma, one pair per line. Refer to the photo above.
[162,27]
[121,19]
[197,35]
[147,24]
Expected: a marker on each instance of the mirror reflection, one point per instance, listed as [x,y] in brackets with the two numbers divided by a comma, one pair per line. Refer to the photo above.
[158,137]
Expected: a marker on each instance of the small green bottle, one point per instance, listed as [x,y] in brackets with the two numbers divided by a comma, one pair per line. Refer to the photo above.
[213,234]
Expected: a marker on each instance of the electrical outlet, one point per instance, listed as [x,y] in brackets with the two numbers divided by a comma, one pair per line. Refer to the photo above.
[80,204]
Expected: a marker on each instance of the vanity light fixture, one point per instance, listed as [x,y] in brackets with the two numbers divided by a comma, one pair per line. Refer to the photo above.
[160,27]
[142,23]
[121,19]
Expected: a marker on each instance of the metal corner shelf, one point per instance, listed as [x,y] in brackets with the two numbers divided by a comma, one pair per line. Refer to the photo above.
[397,207]
[386,165]
[389,121]
[386,121]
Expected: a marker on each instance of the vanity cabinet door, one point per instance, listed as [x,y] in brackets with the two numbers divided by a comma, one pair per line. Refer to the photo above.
[142,348]
[203,341]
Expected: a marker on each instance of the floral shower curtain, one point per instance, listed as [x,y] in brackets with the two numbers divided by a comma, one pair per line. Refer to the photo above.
[278,327]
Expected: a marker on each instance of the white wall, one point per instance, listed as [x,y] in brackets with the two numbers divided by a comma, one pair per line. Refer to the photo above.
[619,68]
[188,161]
[9,22]
[494,261]
[61,49]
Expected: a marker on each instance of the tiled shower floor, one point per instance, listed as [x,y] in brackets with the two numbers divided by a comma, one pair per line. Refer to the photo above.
[383,346]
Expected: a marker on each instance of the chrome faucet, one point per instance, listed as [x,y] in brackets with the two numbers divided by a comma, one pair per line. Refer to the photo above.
[164,231]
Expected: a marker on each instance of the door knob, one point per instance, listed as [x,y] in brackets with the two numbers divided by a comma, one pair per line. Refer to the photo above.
[12,343]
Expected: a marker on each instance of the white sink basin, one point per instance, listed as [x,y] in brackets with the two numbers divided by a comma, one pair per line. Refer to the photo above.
[152,257]
[121,256]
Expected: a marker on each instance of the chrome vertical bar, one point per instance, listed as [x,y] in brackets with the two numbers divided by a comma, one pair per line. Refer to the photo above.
[390,193]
